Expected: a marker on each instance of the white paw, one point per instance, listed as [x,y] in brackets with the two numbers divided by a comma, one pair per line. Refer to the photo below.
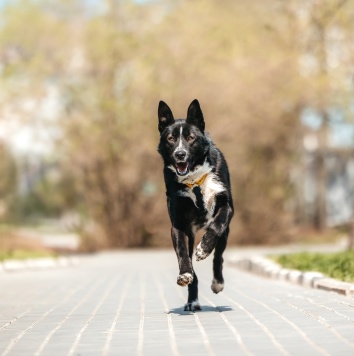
[192,306]
[184,279]
[216,286]
[200,254]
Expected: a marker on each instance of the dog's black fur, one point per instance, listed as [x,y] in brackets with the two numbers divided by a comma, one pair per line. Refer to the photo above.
[198,195]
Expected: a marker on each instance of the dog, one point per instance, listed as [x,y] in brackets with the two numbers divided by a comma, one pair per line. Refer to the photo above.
[198,194]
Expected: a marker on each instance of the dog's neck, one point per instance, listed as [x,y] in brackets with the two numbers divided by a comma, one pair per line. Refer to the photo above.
[196,175]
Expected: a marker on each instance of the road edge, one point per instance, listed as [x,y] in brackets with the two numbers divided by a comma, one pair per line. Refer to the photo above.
[37,264]
[267,268]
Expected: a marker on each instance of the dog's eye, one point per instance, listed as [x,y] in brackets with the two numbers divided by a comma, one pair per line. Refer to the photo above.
[170,138]
[190,138]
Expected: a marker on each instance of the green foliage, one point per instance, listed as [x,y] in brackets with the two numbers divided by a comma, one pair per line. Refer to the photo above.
[336,265]
[8,181]
[21,254]
[15,246]
[46,198]
[110,65]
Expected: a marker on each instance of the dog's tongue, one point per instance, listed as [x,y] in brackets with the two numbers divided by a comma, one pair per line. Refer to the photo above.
[182,167]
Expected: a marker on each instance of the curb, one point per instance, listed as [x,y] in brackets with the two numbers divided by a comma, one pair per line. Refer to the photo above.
[37,264]
[267,268]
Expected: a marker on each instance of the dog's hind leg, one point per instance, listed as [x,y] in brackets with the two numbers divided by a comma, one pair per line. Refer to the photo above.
[217,284]
[193,302]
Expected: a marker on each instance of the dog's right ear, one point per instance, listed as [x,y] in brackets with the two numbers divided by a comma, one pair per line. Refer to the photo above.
[165,116]
[195,116]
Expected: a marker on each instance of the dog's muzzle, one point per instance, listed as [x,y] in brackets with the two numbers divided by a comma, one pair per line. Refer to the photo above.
[181,164]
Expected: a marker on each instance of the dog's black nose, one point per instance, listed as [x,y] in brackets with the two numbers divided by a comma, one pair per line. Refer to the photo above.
[180,155]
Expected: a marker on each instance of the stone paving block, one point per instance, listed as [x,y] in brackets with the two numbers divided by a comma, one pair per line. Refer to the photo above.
[13,265]
[115,304]
[334,285]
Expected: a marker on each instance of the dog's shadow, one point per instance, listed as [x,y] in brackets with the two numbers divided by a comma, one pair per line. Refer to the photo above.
[205,309]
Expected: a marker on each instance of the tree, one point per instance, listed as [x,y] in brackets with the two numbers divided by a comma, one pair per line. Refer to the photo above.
[8,181]
[111,65]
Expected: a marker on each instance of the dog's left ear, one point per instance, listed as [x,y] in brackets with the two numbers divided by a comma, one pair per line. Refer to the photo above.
[195,116]
[165,116]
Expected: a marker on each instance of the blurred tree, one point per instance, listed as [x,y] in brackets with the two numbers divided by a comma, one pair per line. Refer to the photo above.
[87,55]
[47,190]
[250,65]
[246,77]
[8,181]
[329,32]
[104,136]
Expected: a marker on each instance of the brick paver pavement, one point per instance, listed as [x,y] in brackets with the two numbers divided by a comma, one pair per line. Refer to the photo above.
[128,303]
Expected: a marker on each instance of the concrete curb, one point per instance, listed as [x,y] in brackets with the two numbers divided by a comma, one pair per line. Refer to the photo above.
[267,268]
[37,264]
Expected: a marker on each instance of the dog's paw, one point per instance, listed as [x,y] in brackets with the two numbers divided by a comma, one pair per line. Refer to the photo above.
[193,306]
[184,279]
[217,286]
[200,254]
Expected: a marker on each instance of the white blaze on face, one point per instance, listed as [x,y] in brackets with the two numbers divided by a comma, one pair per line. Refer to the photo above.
[180,146]
[180,138]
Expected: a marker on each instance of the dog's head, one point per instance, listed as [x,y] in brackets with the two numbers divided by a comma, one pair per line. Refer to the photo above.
[183,143]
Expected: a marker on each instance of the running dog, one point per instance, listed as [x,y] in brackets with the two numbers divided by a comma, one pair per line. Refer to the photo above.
[198,194]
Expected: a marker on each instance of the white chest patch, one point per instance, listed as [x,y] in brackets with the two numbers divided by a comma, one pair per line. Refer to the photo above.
[210,187]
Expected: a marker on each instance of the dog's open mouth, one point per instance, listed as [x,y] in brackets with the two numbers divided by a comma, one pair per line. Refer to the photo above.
[182,168]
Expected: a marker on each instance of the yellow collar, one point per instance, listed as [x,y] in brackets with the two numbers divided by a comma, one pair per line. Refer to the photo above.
[198,182]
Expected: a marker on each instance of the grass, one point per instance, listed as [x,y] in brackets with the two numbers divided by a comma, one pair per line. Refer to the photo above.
[338,265]
[22,254]
[14,246]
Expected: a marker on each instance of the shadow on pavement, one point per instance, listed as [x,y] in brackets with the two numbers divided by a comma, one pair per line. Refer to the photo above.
[205,308]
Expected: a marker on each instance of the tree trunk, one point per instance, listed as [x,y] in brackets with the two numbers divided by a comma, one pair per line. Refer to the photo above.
[351,233]
[321,177]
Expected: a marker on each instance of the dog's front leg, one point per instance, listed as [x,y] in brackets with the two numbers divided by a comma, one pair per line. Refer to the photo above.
[181,246]
[214,231]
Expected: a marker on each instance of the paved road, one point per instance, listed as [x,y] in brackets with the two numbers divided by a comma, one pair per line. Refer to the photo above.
[128,303]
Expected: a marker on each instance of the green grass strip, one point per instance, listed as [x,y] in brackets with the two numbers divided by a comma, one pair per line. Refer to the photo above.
[336,265]
[19,254]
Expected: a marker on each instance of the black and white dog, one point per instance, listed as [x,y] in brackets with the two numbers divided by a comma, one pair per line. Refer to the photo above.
[198,195]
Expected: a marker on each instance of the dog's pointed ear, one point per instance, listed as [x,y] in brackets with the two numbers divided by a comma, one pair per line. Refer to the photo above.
[165,116]
[195,116]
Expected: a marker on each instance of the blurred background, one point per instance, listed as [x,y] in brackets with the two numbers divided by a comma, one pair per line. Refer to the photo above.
[80,85]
